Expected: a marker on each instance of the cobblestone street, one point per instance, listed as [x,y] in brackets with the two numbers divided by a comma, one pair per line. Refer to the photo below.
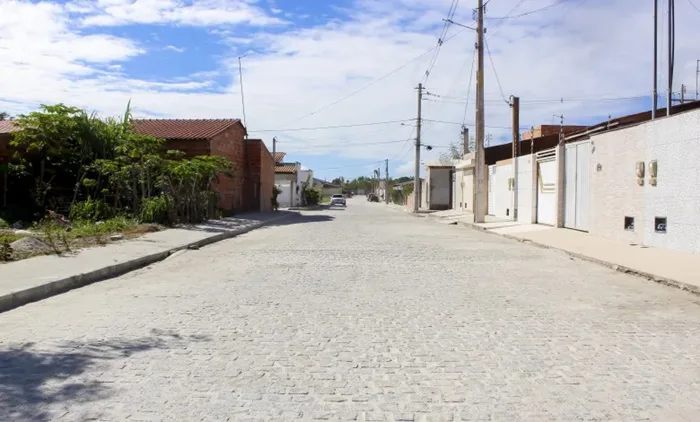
[366,314]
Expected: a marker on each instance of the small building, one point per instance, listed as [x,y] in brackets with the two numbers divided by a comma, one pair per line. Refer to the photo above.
[438,181]
[251,184]
[327,188]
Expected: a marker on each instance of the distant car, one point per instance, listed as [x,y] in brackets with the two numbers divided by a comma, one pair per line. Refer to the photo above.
[372,198]
[338,199]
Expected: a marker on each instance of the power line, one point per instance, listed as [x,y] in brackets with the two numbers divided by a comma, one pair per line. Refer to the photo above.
[493,66]
[693,6]
[541,9]
[374,81]
[443,33]
[469,89]
[460,100]
[541,27]
[333,127]
[337,145]
[351,166]
[471,124]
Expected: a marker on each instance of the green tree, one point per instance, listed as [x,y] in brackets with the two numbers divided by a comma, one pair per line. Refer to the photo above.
[4,115]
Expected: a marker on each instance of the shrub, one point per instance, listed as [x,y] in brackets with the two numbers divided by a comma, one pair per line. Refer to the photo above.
[3,224]
[312,196]
[154,210]
[91,210]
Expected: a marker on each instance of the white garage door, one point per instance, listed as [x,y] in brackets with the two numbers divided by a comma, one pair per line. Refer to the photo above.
[546,187]
[491,196]
[577,188]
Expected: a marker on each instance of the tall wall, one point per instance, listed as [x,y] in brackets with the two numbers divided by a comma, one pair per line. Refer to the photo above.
[230,144]
[503,195]
[674,142]
[526,189]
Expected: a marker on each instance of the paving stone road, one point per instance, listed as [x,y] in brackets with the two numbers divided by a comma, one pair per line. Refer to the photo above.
[358,314]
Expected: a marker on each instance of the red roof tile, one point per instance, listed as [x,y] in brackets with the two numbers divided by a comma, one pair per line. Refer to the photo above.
[182,128]
[8,126]
[279,156]
[286,168]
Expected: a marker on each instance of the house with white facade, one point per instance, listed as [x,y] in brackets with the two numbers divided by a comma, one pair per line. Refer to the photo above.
[290,178]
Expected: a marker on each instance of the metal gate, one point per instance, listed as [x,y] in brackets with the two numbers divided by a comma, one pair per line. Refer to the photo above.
[491,196]
[546,187]
[577,187]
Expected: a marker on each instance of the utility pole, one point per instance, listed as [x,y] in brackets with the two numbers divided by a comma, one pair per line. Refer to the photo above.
[515,103]
[274,148]
[682,94]
[479,201]
[416,169]
[669,89]
[386,184]
[240,78]
[697,73]
[465,140]
[654,94]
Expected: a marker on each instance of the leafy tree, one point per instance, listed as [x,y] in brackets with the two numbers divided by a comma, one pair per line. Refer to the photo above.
[4,115]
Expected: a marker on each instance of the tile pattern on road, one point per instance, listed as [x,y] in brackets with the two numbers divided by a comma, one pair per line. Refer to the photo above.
[357,314]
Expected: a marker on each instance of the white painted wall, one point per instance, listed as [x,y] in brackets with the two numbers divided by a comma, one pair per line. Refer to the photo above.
[675,143]
[302,175]
[503,195]
[284,199]
[526,186]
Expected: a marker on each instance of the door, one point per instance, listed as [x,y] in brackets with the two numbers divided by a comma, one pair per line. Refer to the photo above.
[546,187]
[492,197]
[577,188]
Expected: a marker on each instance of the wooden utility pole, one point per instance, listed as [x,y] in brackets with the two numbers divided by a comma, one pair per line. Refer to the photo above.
[386,183]
[480,203]
[416,169]
[516,146]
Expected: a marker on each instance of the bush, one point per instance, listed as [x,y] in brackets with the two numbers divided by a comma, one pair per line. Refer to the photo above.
[3,224]
[91,210]
[312,196]
[154,210]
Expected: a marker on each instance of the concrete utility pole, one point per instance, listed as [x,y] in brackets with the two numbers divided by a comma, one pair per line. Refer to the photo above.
[465,140]
[654,94]
[697,73]
[416,169]
[682,94]
[669,89]
[386,184]
[515,103]
[479,202]
[274,148]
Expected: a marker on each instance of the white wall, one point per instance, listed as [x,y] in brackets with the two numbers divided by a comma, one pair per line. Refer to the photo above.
[675,143]
[302,176]
[503,196]
[526,186]
[284,199]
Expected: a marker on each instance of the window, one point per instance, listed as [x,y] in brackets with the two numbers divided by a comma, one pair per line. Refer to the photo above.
[629,223]
[660,224]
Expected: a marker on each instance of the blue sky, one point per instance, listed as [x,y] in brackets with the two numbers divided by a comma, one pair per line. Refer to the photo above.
[178,58]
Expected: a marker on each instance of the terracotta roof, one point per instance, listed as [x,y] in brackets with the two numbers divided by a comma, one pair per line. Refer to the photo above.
[286,168]
[279,156]
[182,128]
[8,126]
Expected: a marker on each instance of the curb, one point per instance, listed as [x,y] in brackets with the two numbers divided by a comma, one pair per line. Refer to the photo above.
[53,288]
[616,267]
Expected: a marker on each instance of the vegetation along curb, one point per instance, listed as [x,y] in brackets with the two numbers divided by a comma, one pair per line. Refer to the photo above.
[56,287]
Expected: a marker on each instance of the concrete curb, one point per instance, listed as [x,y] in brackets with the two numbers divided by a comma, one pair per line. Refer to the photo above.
[53,288]
[652,277]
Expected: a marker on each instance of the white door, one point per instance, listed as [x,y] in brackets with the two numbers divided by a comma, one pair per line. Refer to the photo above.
[490,182]
[546,187]
[577,188]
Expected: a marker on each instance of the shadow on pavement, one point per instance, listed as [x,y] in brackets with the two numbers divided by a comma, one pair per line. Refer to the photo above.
[302,219]
[32,379]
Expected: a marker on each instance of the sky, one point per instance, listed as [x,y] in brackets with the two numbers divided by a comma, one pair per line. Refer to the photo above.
[334,80]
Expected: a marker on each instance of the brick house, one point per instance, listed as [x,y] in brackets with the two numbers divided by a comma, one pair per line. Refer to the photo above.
[250,187]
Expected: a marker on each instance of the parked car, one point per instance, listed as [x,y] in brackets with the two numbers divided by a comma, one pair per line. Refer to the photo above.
[372,198]
[338,199]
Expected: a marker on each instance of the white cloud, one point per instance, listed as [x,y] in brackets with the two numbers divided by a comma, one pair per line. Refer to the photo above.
[175,49]
[592,49]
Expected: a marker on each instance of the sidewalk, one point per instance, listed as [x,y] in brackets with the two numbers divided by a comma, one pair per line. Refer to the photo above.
[41,277]
[678,269]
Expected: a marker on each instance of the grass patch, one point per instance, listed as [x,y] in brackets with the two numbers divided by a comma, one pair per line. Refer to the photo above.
[10,237]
